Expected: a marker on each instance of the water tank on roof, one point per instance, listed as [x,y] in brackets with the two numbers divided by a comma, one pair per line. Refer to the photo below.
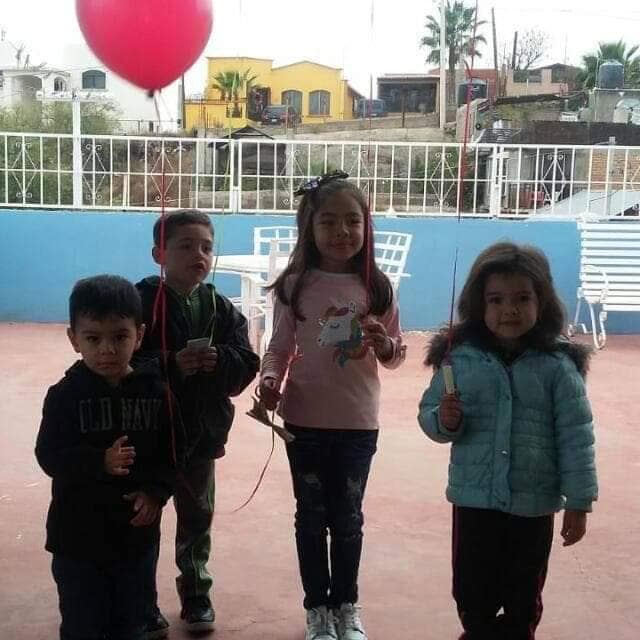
[611,75]
[478,90]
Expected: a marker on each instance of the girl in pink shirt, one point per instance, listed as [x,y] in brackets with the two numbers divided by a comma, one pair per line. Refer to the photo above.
[335,318]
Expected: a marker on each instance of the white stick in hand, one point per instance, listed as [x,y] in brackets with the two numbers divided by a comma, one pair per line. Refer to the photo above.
[447,373]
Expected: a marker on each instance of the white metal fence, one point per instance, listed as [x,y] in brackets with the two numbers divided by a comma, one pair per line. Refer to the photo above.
[261,175]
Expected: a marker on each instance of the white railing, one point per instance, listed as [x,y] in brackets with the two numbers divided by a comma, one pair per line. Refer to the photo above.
[261,175]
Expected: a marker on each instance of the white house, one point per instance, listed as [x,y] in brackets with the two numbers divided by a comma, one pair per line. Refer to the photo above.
[137,113]
[77,68]
[20,81]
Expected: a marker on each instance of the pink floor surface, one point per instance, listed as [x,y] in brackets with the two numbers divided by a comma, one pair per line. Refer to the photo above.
[592,592]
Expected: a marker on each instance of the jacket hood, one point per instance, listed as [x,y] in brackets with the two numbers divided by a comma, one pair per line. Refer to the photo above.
[79,373]
[151,283]
[579,353]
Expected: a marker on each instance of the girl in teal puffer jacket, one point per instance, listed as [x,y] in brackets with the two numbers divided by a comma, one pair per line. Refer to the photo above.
[521,430]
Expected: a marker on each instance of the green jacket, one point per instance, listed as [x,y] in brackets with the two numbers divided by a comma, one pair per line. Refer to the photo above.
[204,398]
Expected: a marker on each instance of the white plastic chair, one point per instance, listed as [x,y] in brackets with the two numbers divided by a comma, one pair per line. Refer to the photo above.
[275,241]
[391,253]
[262,303]
[284,236]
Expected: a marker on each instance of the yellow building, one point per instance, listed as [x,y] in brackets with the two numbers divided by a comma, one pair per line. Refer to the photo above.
[239,88]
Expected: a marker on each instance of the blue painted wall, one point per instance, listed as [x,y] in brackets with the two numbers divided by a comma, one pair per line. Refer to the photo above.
[42,253]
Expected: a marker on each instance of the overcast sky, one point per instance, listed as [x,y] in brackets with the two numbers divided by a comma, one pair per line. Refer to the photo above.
[339,32]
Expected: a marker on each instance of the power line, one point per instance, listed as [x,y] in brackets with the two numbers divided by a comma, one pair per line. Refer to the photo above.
[577,12]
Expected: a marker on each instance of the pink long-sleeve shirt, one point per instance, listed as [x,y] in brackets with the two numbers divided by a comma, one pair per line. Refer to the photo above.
[332,379]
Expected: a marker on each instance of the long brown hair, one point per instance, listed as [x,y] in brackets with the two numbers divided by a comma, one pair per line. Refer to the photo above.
[305,255]
[510,258]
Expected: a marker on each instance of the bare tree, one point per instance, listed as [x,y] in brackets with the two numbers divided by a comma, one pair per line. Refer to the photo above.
[532,45]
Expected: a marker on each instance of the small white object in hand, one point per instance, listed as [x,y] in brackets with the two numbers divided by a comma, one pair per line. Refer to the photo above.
[447,372]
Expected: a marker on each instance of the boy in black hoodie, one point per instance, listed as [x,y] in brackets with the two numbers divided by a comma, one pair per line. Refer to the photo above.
[108,442]
[186,309]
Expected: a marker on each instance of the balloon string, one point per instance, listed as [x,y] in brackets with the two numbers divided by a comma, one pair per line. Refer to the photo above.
[461,180]
[370,249]
[159,316]
[260,477]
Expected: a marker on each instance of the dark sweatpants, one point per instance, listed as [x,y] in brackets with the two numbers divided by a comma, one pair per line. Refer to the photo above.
[499,562]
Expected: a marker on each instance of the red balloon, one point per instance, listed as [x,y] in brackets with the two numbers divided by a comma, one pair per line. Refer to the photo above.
[151,43]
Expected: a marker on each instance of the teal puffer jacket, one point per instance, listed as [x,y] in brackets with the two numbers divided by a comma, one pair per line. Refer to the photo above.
[525,444]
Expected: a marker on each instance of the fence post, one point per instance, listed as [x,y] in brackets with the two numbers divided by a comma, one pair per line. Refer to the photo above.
[495,196]
[77,152]
[236,177]
[607,184]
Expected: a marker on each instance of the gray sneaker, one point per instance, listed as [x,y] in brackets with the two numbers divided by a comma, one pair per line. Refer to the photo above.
[320,625]
[348,623]
[198,615]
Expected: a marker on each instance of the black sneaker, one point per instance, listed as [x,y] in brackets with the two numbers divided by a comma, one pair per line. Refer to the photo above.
[198,614]
[156,628]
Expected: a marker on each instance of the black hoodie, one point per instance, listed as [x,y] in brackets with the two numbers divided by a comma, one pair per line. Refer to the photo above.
[82,417]
[204,397]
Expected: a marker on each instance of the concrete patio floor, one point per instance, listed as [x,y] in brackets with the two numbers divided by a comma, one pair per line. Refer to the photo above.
[592,592]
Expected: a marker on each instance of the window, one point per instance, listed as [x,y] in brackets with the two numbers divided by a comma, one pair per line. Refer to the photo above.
[293,98]
[94,80]
[527,75]
[319,103]
[59,84]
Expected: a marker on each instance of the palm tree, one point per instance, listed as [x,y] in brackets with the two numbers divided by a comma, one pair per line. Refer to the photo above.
[225,82]
[233,84]
[460,38]
[588,74]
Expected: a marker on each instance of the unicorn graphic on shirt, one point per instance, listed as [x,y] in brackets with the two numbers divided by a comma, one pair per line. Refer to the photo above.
[341,329]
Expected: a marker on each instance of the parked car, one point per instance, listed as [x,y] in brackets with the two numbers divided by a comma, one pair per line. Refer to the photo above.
[283,114]
[371,108]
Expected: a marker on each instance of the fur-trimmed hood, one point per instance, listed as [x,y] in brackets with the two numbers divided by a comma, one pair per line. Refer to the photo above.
[579,353]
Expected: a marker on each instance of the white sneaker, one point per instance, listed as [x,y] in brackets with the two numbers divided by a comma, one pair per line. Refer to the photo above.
[320,624]
[348,622]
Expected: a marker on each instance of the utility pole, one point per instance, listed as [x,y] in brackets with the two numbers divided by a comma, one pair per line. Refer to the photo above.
[183,109]
[495,51]
[515,50]
[443,64]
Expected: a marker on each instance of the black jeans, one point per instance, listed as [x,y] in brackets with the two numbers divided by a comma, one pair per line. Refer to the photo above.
[329,468]
[103,602]
[499,561]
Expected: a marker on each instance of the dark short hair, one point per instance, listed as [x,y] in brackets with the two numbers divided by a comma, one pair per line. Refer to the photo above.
[102,296]
[176,219]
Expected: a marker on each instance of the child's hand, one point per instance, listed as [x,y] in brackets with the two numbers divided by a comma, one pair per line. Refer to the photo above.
[188,361]
[118,457]
[574,526]
[450,412]
[147,508]
[208,359]
[375,334]
[269,393]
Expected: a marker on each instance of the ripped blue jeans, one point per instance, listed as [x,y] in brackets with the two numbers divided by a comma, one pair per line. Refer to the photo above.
[329,468]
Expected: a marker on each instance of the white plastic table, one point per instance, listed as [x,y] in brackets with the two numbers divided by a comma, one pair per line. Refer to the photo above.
[253,271]
[249,264]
